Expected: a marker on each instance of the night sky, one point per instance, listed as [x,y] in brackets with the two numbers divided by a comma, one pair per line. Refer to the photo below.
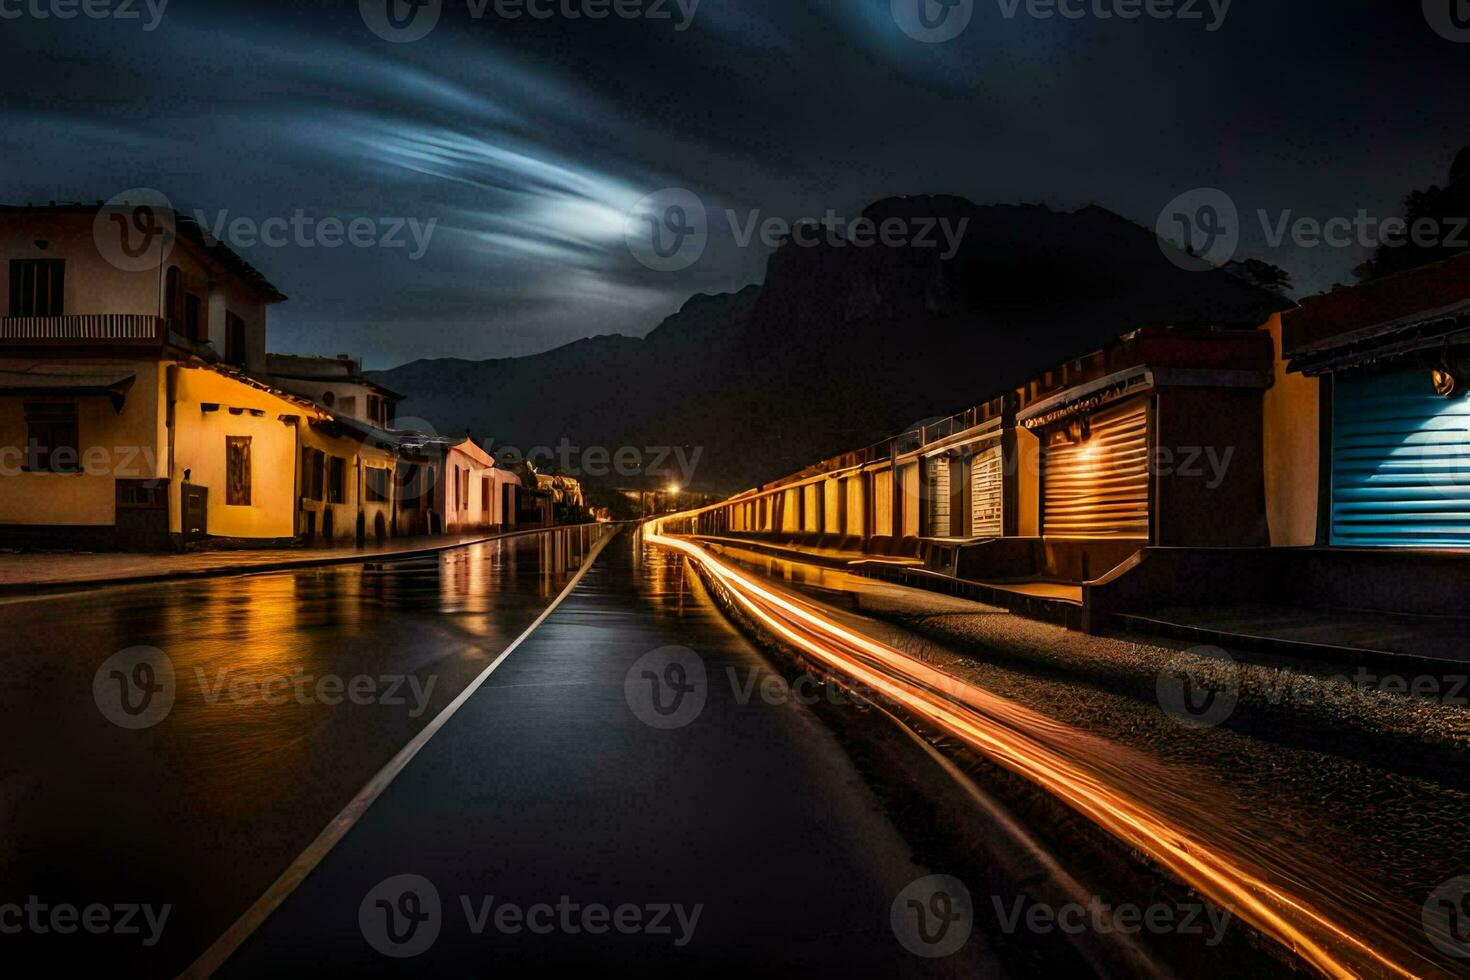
[528,141]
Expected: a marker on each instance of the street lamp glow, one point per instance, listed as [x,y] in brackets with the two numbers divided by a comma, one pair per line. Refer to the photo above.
[674,489]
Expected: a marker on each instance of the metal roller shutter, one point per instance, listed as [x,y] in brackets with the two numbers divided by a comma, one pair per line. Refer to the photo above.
[1100,489]
[1400,463]
[986,518]
[855,516]
[882,503]
[831,507]
[938,497]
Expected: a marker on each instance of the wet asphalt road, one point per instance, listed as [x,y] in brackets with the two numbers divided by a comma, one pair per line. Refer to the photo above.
[555,786]
[290,690]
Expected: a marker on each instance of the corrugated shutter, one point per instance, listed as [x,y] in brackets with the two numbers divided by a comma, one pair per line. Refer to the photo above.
[986,518]
[832,506]
[882,503]
[911,500]
[1400,463]
[855,518]
[938,497]
[1099,489]
[791,509]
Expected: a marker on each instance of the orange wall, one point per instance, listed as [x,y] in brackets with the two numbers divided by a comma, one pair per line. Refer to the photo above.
[1292,447]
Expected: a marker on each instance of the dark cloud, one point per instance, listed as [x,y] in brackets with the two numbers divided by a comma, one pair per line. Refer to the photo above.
[526,142]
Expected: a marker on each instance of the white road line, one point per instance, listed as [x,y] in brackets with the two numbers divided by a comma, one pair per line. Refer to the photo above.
[224,947]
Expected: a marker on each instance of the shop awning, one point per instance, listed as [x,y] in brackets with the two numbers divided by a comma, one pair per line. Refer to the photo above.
[113,385]
[1387,342]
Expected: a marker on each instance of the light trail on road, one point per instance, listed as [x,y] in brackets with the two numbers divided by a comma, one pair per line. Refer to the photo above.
[1016,737]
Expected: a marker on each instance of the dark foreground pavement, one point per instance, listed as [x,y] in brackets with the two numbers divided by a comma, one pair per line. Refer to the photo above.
[548,826]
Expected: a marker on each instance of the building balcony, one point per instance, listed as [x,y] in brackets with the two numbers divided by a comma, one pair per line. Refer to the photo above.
[92,330]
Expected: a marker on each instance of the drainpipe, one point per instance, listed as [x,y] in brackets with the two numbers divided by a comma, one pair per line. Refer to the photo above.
[171,395]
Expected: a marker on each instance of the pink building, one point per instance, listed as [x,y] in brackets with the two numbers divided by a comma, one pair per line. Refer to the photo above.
[472,494]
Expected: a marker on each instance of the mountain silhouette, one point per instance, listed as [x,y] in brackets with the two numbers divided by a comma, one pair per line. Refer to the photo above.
[842,345]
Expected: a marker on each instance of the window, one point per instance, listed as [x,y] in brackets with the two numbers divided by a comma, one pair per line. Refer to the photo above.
[375,409]
[173,299]
[485,495]
[377,485]
[237,471]
[465,476]
[337,488]
[37,287]
[313,473]
[234,340]
[51,438]
[193,318]
[141,495]
[454,475]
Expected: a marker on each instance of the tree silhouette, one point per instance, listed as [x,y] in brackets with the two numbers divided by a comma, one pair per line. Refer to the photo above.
[1263,274]
[1446,232]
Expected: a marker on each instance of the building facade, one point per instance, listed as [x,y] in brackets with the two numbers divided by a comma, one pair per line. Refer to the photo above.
[135,408]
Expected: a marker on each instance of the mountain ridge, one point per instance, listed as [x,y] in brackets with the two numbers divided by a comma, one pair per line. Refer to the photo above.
[840,345]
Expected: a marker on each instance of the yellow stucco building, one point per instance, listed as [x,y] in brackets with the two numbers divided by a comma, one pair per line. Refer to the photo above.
[135,412]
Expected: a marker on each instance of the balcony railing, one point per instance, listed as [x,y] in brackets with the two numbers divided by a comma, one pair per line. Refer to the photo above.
[101,329]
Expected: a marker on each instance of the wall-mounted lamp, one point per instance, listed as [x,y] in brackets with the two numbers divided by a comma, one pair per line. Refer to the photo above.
[1444,381]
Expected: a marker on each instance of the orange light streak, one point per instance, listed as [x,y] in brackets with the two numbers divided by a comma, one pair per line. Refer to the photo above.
[997,727]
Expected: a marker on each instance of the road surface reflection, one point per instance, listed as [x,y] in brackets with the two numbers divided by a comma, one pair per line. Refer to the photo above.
[289,691]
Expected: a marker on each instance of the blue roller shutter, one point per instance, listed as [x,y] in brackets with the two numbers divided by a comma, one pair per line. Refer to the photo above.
[1400,463]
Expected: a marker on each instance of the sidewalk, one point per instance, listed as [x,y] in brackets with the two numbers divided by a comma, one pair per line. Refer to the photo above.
[25,572]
